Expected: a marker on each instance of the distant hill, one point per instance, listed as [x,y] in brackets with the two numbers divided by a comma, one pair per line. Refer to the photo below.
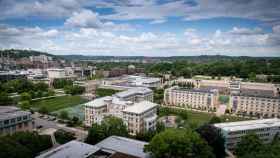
[17,53]
[200,58]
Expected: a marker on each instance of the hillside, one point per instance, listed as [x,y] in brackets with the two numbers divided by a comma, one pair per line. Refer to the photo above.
[16,53]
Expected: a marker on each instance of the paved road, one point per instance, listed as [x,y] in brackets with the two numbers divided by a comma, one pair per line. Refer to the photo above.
[80,134]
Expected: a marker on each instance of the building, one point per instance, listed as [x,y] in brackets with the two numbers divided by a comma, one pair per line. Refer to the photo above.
[136,94]
[260,103]
[99,108]
[72,149]
[127,146]
[266,129]
[12,119]
[140,117]
[56,73]
[11,75]
[131,102]
[40,58]
[202,99]
[111,147]
[151,82]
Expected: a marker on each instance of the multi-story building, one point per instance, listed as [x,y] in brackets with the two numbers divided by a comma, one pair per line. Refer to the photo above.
[136,94]
[140,117]
[202,99]
[12,119]
[260,103]
[117,105]
[266,129]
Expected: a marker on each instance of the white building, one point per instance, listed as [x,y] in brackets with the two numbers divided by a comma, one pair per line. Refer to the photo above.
[266,129]
[140,113]
[126,103]
[136,94]
[191,98]
[141,81]
[140,117]
[56,73]
[261,103]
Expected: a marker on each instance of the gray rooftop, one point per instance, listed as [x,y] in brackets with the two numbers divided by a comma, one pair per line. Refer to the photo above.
[257,93]
[9,112]
[124,145]
[73,149]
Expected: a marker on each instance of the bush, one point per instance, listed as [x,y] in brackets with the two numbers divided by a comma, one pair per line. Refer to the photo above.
[63,137]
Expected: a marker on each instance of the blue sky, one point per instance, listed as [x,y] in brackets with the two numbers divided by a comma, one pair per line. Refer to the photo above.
[142,27]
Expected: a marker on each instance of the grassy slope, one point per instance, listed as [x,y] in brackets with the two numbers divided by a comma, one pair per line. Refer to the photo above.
[54,104]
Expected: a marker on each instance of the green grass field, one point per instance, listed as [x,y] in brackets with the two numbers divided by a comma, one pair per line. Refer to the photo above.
[195,117]
[54,104]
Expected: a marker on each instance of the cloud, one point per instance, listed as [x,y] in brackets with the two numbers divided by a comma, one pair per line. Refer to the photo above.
[158,21]
[84,18]
[94,41]
[89,19]
[246,31]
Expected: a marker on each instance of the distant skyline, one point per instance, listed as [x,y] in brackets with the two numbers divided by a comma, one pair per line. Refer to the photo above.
[142,27]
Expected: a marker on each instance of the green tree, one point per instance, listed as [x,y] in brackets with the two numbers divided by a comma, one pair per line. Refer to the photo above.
[250,142]
[41,86]
[63,137]
[64,115]
[214,139]
[215,119]
[11,149]
[109,126]
[25,104]
[43,110]
[30,143]
[5,99]
[178,143]
[25,97]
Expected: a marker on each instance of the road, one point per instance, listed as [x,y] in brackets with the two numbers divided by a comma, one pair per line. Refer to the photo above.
[80,134]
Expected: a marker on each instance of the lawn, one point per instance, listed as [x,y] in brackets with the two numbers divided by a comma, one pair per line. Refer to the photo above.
[195,117]
[54,104]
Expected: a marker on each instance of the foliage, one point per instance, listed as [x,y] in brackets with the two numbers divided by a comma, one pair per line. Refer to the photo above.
[102,92]
[215,119]
[249,143]
[64,115]
[148,135]
[24,144]
[25,104]
[25,96]
[109,126]
[243,67]
[43,110]
[214,139]
[61,83]
[178,143]
[5,99]
[158,95]
[73,90]
[63,137]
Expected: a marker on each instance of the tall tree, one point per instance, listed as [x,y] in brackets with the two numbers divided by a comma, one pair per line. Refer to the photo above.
[250,142]
[214,139]
[178,143]
[109,126]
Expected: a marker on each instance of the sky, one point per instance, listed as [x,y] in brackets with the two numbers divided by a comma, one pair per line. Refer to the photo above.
[142,27]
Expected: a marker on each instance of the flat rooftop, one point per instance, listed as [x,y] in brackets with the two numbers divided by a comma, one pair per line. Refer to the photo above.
[133,91]
[140,107]
[195,90]
[247,125]
[9,112]
[99,102]
[72,149]
[257,93]
[124,145]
